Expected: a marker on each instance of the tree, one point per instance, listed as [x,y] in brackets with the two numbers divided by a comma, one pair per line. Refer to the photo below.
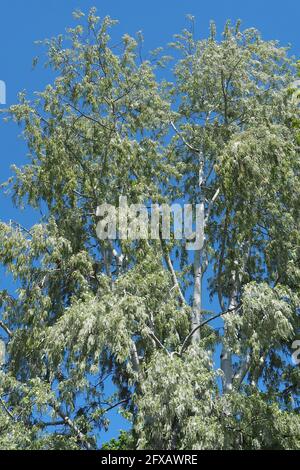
[222,135]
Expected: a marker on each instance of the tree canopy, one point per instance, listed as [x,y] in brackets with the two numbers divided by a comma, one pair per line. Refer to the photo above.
[221,131]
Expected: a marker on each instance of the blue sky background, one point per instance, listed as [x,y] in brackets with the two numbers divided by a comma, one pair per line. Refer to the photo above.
[25,21]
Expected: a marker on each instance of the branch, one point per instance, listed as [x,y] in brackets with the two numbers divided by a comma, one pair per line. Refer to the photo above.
[20,227]
[159,344]
[206,220]
[172,271]
[85,196]
[211,203]
[52,423]
[193,149]
[82,438]
[175,280]
[191,334]
[6,329]
[126,400]
[86,116]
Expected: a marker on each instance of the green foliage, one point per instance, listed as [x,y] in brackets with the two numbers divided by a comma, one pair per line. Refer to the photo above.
[88,313]
[125,441]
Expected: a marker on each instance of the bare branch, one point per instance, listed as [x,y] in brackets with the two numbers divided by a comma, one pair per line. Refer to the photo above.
[81,437]
[172,271]
[52,423]
[111,407]
[175,280]
[191,334]
[158,342]
[6,329]
[86,116]
[193,149]
[211,203]
[84,196]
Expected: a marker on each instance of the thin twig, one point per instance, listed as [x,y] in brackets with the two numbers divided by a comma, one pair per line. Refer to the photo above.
[126,400]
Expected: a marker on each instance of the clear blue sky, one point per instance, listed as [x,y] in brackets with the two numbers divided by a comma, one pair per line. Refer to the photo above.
[25,21]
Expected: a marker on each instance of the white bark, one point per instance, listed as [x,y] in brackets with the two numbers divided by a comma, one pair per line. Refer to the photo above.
[226,355]
[135,358]
[197,295]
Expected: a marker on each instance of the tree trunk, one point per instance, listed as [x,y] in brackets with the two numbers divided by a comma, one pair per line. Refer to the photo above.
[197,295]
[226,355]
